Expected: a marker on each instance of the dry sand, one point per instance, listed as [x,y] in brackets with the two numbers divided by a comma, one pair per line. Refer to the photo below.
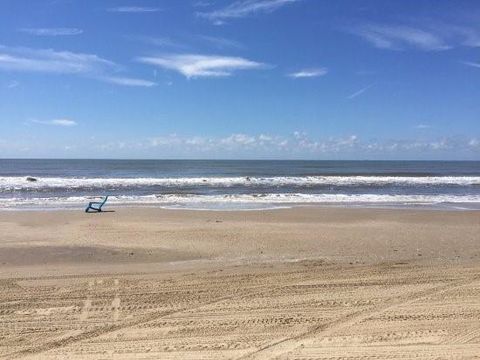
[303,283]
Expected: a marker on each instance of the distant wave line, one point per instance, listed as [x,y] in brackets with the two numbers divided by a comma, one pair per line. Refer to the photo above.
[21,183]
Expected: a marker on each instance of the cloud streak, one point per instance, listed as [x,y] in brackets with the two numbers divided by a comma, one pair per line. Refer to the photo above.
[57,122]
[50,61]
[133,9]
[13,84]
[471,64]
[126,81]
[421,35]
[309,73]
[64,62]
[359,92]
[195,66]
[244,8]
[399,37]
[158,41]
[52,31]
[220,42]
[422,126]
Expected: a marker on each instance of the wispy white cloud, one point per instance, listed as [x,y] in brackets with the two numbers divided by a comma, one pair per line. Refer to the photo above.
[244,8]
[57,122]
[464,32]
[471,36]
[50,61]
[202,4]
[397,37]
[186,42]
[474,143]
[359,92]
[158,41]
[220,42]
[193,65]
[298,142]
[421,35]
[232,142]
[52,31]
[13,84]
[239,140]
[472,64]
[64,62]
[309,73]
[301,143]
[422,126]
[264,145]
[134,9]
[127,81]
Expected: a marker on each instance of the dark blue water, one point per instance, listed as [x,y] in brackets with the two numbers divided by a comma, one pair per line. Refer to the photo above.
[198,183]
[225,168]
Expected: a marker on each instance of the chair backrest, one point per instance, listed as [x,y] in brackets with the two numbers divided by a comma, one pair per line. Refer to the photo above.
[104,201]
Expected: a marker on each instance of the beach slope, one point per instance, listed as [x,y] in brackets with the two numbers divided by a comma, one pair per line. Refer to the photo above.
[302,283]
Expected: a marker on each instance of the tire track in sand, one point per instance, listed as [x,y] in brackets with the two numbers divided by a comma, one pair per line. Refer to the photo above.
[286,345]
[55,344]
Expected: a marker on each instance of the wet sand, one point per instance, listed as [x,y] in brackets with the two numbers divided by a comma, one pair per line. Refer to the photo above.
[303,283]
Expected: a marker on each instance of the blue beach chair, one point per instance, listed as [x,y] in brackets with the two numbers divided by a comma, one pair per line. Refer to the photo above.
[96,205]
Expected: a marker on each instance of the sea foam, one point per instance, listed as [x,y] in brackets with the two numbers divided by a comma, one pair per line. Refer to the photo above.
[20,183]
[193,200]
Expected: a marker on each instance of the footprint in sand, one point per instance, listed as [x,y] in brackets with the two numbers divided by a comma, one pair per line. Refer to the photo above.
[116,302]
[87,303]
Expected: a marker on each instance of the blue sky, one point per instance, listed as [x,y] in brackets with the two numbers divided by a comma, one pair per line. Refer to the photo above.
[293,79]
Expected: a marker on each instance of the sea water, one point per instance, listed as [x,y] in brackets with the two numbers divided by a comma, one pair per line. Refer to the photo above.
[239,184]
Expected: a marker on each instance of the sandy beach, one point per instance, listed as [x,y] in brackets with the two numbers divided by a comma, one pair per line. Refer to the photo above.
[302,283]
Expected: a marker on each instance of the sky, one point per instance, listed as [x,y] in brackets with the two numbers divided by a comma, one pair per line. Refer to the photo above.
[240,79]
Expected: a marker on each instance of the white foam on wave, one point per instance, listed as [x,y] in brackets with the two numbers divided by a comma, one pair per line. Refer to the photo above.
[20,183]
[225,201]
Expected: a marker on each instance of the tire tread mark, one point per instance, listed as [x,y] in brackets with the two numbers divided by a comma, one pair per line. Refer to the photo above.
[286,345]
[41,348]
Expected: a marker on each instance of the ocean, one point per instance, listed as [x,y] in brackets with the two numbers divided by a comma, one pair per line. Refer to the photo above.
[239,184]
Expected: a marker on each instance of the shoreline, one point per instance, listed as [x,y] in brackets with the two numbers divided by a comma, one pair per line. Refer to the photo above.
[262,207]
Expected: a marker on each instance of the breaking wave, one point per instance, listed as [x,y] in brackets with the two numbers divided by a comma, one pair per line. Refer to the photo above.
[22,184]
[192,200]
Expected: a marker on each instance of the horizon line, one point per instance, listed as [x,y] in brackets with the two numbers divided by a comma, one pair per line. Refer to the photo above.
[225,159]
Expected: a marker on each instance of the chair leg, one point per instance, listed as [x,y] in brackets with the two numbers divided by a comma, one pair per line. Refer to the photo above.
[90,207]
